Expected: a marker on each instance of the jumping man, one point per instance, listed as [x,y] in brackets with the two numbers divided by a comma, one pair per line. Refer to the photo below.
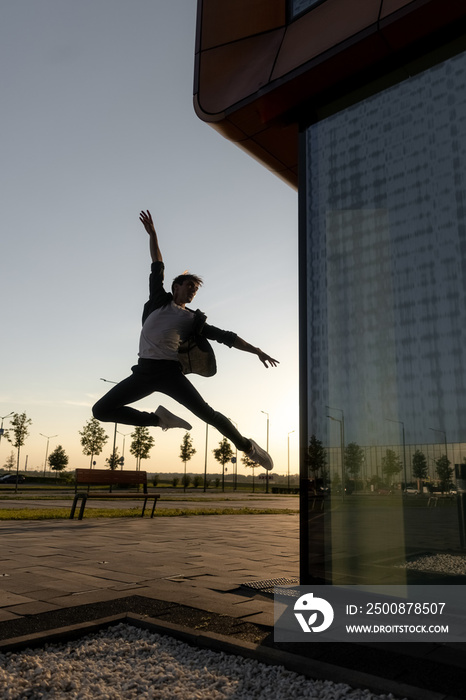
[173,343]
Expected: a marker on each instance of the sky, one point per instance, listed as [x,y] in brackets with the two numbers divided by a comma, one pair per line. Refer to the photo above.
[97,124]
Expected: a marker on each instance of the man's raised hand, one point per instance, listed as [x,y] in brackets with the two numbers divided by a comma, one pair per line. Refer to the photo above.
[146,219]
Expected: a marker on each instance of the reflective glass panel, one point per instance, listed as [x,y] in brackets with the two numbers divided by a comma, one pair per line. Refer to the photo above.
[385,199]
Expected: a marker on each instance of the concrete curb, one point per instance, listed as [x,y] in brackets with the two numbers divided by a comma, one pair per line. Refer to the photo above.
[310,668]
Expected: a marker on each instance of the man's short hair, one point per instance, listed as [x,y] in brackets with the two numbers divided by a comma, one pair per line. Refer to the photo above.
[186,276]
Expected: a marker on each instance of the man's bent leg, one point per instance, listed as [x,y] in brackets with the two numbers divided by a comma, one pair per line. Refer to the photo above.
[112,407]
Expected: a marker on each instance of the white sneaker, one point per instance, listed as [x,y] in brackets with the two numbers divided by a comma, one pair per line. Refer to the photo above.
[169,420]
[260,456]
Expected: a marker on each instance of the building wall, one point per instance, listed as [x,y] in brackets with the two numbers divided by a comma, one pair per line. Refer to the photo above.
[367,102]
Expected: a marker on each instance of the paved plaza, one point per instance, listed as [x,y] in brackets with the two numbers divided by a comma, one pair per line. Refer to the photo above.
[196,561]
[191,572]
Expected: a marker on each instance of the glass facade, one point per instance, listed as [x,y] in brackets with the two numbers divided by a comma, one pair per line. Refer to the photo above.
[384,202]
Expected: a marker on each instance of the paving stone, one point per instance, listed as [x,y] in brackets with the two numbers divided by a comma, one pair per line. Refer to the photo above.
[7,615]
[34,608]
[8,599]
[87,597]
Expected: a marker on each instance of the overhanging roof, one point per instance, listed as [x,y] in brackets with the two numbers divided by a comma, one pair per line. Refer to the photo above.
[255,71]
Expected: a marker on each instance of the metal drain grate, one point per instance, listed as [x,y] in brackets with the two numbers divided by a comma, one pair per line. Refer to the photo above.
[268,585]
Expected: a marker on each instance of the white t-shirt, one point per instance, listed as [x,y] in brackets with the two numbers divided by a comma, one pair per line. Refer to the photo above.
[163,332]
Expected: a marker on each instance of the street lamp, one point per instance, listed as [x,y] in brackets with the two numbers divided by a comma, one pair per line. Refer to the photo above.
[291,431]
[267,473]
[49,437]
[235,470]
[445,440]
[342,423]
[342,448]
[123,451]
[444,436]
[109,381]
[3,418]
[400,422]
[205,459]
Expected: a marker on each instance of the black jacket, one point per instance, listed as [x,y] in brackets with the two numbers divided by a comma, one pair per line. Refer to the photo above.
[195,354]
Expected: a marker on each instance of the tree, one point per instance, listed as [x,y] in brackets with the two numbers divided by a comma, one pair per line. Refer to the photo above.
[114,461]
[444,472]
[419,467]
[186,480]
[354,457]
[250,465]
[316,457]
[223,454]
[10,462]
[391,465]
[187,451]
[17,435]
[58,459]
[142,444]
[197,481]
[93,438]
[336,483]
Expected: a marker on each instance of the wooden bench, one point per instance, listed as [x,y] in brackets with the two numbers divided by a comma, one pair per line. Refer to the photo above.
[108,477]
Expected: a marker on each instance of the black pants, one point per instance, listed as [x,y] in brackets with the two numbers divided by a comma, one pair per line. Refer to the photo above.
[166,377]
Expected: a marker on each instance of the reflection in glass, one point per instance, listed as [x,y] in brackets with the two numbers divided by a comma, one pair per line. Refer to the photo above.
[386,317]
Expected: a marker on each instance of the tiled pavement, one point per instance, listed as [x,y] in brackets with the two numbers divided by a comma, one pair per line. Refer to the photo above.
[188,571]
[200,562]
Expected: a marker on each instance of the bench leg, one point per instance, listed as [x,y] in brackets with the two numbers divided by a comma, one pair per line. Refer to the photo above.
[153,507]
[83,505]
[83,497]
[73,507]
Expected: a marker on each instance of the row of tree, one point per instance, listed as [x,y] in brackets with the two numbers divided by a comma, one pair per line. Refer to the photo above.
[94,438]
[391,465]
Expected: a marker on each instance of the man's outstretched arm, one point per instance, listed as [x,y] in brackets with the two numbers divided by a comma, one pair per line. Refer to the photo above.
[146,219]
[241,344]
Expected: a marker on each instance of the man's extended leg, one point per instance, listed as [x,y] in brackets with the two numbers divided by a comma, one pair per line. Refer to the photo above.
[181,389]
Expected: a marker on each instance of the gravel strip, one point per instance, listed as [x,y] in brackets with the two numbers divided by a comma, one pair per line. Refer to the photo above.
[454,564]
[125,662]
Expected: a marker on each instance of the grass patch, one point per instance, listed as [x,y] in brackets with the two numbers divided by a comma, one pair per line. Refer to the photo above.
[64,513]
[182,497]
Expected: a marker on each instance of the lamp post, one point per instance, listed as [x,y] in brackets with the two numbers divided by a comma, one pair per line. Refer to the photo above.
[400,422]
[445,440]
[235,471]
[49,437]
[342,422]
[123,451]
[205,459]
[291,431]
[109,381]
[3,418]
[267,473]
[342,447]
[444,437]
